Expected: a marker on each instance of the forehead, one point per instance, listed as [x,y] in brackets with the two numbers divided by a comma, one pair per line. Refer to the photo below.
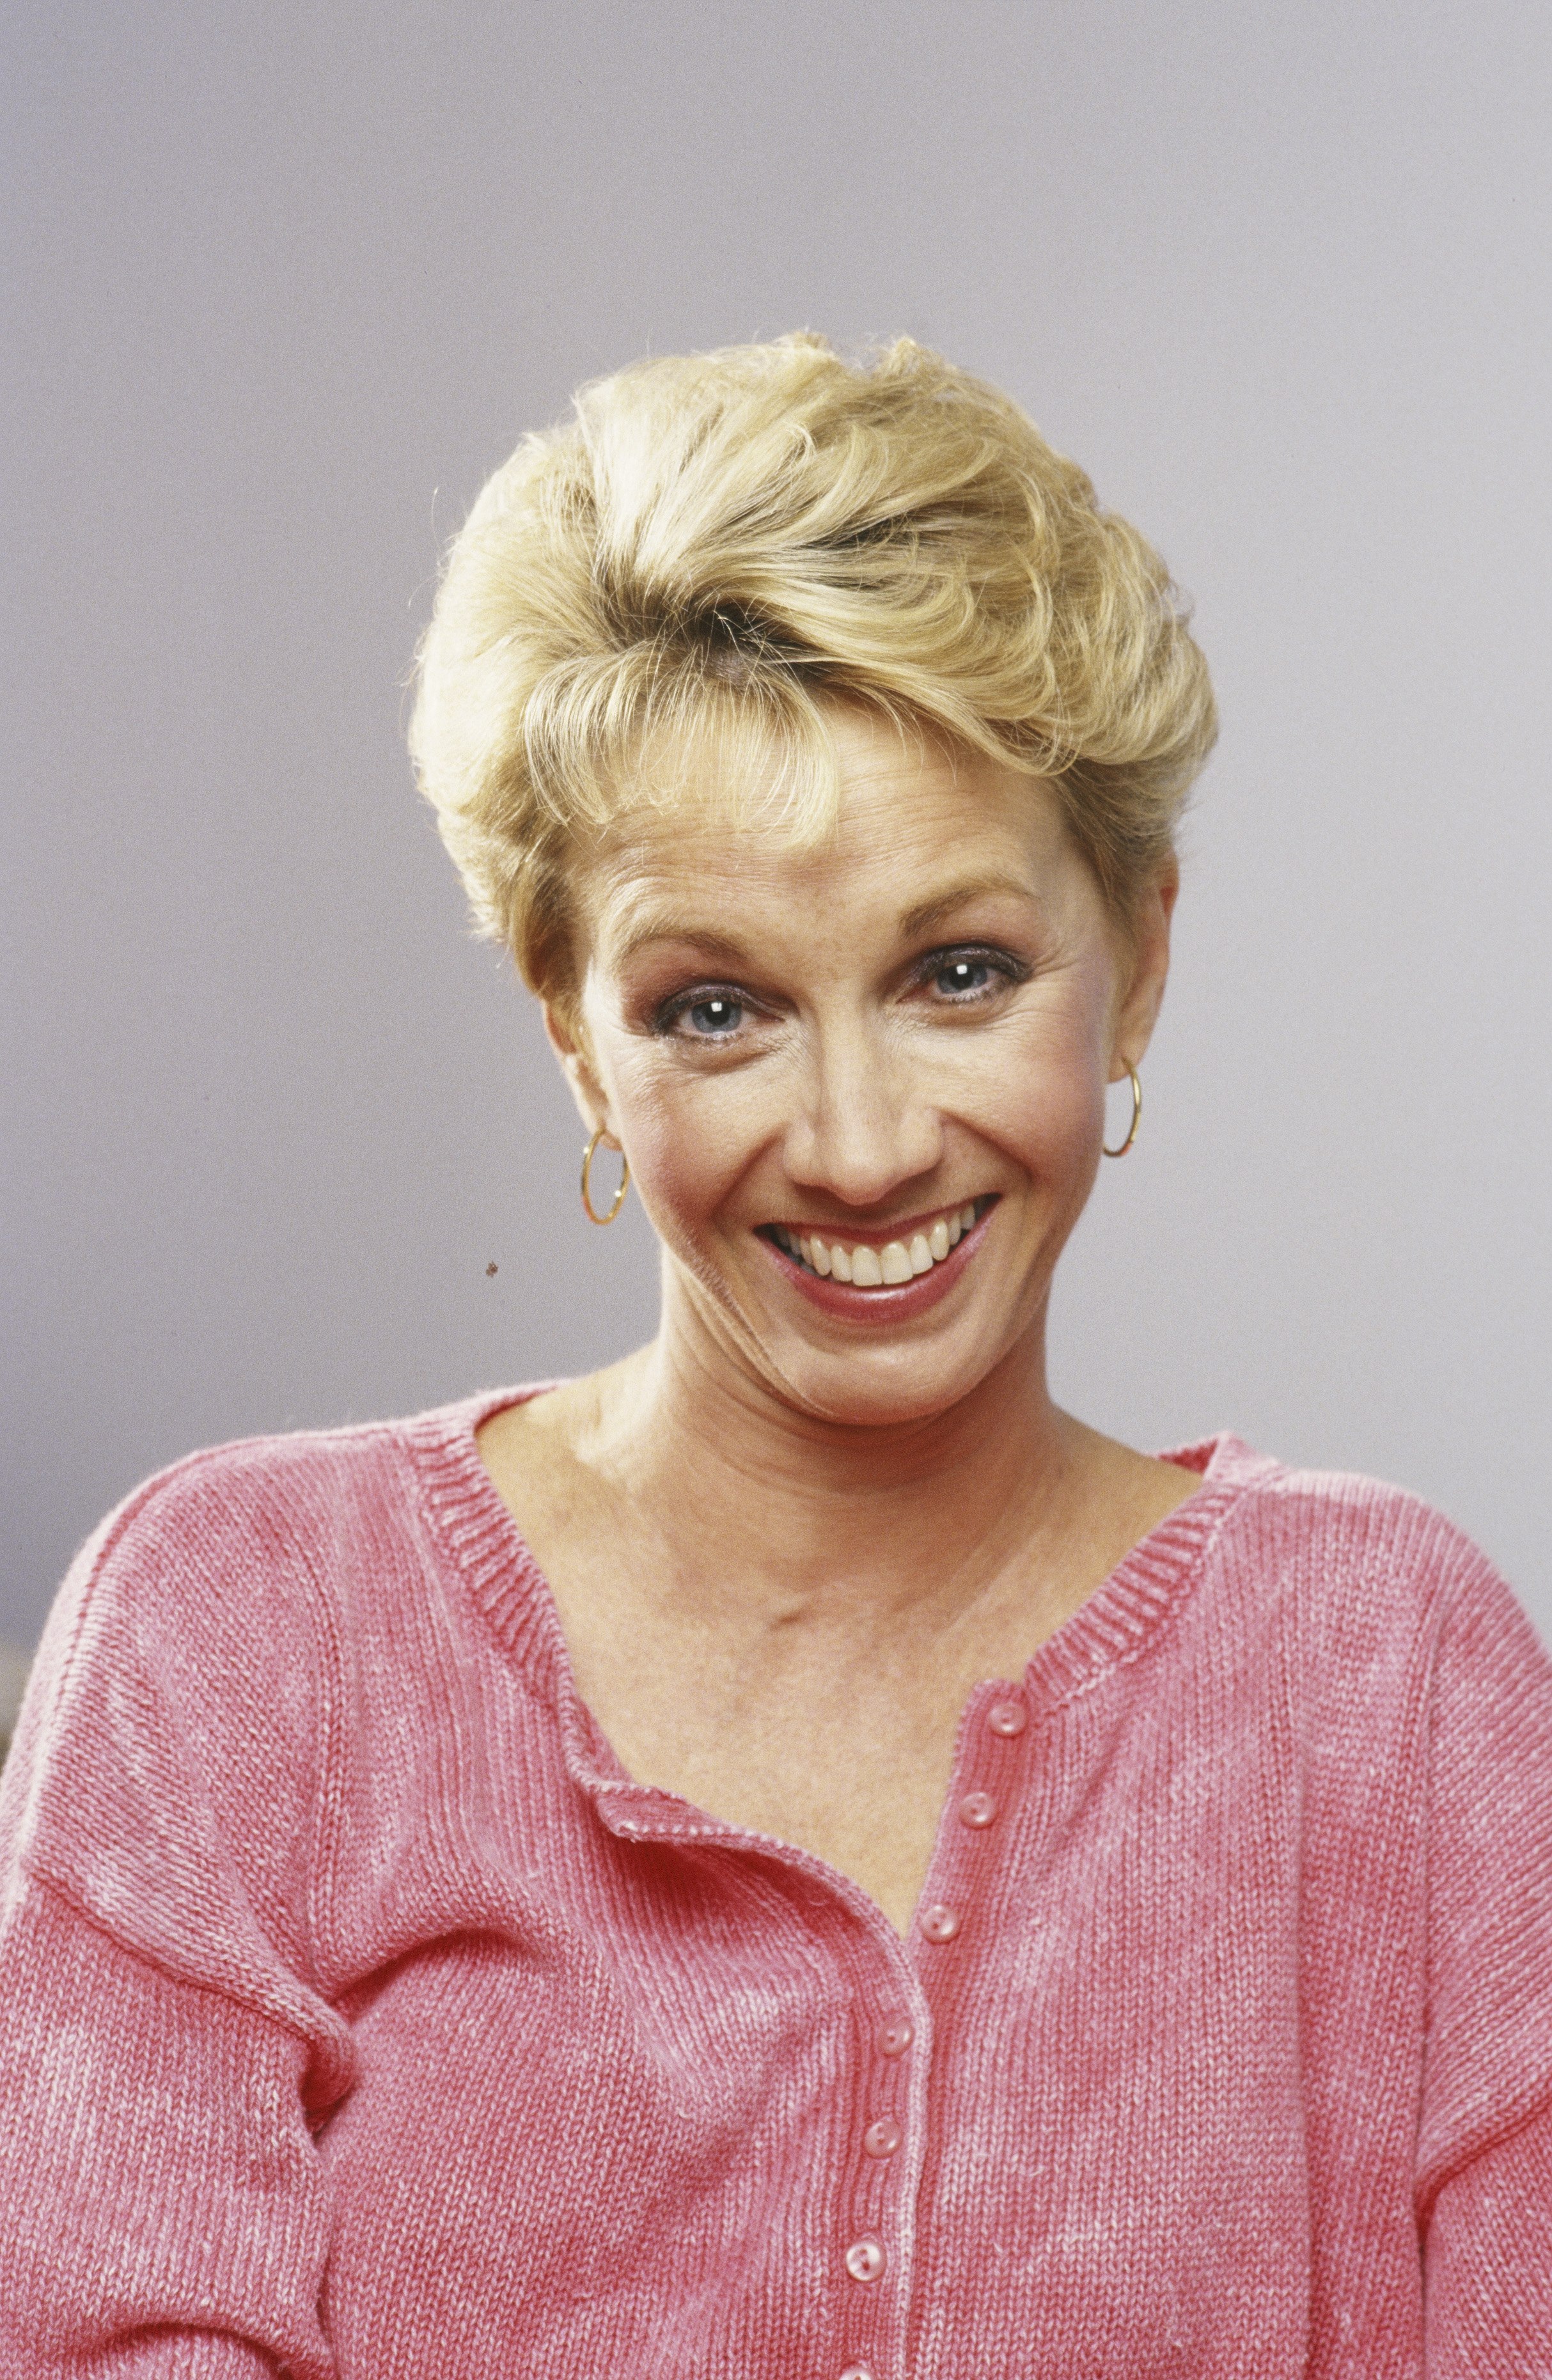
[917,821]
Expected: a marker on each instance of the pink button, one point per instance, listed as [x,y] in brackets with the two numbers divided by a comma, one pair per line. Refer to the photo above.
[939,1922]
[865,2260]
[895,2036]
[882,2137]
[857,2372]
[1007,1719]
[977,1810]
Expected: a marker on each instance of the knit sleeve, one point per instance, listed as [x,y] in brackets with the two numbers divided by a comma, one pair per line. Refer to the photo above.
[1484,2151]
[165,2052]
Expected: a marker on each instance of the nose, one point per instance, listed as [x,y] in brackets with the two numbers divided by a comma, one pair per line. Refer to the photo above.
[863,1125]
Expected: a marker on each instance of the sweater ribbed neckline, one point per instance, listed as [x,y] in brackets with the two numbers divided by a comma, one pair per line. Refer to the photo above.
[485,1545]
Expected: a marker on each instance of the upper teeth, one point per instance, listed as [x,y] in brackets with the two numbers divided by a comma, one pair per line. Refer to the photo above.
[867,1267]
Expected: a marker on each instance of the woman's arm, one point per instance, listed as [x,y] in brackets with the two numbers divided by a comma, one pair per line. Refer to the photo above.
[1484,2149]
[1488,2262]
[162,2209]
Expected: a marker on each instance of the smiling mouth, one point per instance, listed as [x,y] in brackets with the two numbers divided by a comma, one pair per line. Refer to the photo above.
[874,1264]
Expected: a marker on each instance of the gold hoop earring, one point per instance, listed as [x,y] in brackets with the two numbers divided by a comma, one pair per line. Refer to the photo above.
[1136,1118]
[588,1208]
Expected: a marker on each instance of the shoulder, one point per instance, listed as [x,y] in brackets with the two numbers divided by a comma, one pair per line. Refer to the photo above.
[1338,1542]
[260,1507]
[1366,1599]
[233,1525]
[212,1622]
[236,1566]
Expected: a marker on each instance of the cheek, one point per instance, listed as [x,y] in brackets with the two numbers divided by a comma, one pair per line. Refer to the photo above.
[1037,1093]
[691,1138]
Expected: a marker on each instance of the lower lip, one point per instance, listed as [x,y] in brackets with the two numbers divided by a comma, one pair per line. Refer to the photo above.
[882,1305]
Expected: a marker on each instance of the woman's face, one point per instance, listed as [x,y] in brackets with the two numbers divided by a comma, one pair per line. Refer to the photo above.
[862,1087]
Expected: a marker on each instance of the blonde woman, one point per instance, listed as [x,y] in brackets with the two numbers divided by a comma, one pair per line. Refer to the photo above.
[791,1855]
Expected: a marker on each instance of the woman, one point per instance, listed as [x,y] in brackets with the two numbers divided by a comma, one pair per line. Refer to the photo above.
[791,1856]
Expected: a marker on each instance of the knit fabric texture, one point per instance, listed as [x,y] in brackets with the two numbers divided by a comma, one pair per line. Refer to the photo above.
[360,2016]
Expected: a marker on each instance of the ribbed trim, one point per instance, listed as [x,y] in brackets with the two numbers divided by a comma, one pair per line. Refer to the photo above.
[1151,1582]
[482,1541]
[485,1545]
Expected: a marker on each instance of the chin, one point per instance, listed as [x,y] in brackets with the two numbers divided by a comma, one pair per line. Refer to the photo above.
[882,1388]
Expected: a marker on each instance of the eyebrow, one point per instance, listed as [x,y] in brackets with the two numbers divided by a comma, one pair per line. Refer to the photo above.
[921,919]
[648,928]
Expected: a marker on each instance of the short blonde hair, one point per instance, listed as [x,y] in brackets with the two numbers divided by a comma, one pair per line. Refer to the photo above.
[733,541]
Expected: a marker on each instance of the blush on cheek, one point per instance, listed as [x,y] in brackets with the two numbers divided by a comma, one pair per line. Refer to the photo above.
[683,1166]
[1049,1110]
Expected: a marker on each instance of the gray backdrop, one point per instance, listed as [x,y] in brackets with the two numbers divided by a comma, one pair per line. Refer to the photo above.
[291,279]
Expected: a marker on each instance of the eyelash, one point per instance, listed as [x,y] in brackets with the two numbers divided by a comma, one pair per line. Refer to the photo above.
[668,1015]
[934,963]
[1001,963]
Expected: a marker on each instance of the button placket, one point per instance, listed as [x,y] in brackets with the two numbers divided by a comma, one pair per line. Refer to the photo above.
[877,2256]
[868,2250]
[982,1807]
[875,2248]
[976,1810]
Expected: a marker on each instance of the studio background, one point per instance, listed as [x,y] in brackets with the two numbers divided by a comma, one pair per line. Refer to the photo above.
[287,281]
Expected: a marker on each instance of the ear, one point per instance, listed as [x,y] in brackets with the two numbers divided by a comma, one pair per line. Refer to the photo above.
[1144,971]
[569,1044]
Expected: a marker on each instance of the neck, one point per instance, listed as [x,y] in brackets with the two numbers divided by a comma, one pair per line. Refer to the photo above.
[867,1522]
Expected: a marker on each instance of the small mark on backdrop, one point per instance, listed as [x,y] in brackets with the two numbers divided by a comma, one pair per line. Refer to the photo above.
[490,1269]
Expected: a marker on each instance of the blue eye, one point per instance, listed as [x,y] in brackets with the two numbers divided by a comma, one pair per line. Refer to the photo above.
[716,1015]
[962,976]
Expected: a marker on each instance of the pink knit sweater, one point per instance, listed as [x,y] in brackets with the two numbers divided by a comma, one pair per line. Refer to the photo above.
[360,2016]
